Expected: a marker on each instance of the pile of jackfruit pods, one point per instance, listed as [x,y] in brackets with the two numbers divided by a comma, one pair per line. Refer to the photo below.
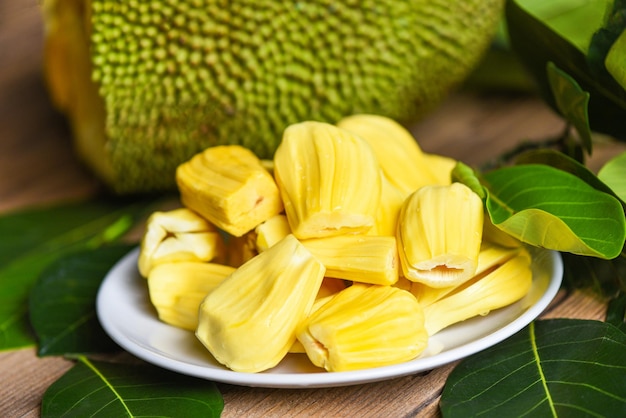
[352,245]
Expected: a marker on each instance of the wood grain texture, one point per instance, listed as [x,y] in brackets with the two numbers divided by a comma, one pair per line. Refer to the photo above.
[38,166]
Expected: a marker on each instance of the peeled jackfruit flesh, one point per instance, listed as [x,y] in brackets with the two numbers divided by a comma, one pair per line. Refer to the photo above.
[439,235]
[498,288]
[325,294]
[359,258]
[391,201]
[177,235]
[441,167]
[249,321]
[329,180]
[177,289]
[491,256]
[147,85]
[364,326]
[402,161]
[271,231]
[229,186]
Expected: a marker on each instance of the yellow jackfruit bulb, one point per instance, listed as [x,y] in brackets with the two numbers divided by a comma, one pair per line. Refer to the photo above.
[229,186]
[490,257]
[177,235]
[249,321]
[177,289]
[439,235]
[441,167]
[359,258]
[391,200]
[401,159]
[364,326]
[324,295]
[329,180]
[271,231]
[500,287]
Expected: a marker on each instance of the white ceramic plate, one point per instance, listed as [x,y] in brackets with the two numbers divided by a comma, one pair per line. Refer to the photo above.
[128,317]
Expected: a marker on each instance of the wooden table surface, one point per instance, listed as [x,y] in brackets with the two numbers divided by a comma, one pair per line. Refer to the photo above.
[37,166]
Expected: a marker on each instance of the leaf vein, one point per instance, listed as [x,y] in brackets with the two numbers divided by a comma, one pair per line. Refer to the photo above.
[106,382]
[533,343]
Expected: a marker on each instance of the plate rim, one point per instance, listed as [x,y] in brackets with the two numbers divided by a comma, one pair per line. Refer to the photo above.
[127,264]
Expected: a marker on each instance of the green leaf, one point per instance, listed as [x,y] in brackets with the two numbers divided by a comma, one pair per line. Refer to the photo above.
[613,173]
[571,101]
[616,311]
[615,60]
[563,162]
[33,238]
[605,38]
[550,208]
[575,21]
[560,31]
[557,367]
[62,303]
[93,388]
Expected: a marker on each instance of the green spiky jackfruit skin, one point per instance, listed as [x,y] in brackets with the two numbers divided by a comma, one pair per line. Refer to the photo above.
[177,77]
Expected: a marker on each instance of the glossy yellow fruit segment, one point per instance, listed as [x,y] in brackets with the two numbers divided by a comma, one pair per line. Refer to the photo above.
[364,326]
[177,289]
[359,258]
[439,235]
[248,322]
[271,231]
[402,160]
[329,288]
[329,180]
[177,235]
[441,167]
[500,287]
[491,256]
[230,187]
[391,201]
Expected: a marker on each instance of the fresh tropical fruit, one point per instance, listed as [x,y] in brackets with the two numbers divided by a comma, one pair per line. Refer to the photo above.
[249,321]
[229,186]
[364,326]
[439,234]
[146,85]
[329,180]
[333,277]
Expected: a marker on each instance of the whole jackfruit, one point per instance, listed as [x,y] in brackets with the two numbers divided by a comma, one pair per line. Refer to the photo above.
[146,85]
